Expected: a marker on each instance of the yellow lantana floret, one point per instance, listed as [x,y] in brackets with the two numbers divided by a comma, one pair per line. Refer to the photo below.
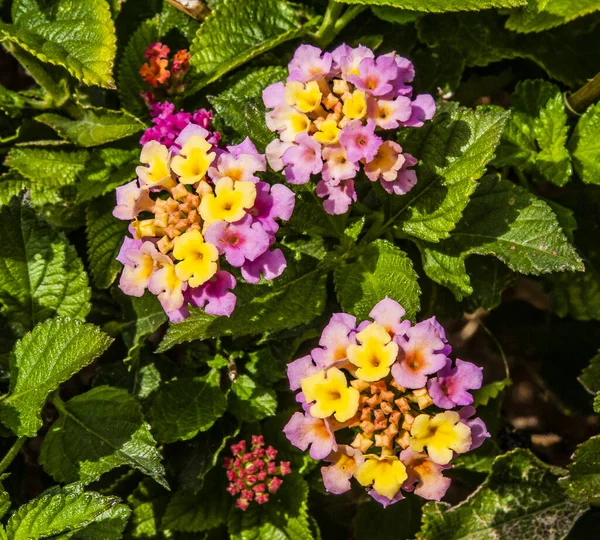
[375,356]
[385,474]
[157,173]
[441,435]
[198,259]
[304,98]
[331,395]
[328,132]
[143,228]
[229,201]
[355,106]
[193,161]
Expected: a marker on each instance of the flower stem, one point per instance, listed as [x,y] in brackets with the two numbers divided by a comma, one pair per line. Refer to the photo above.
[12,453]
[326,33]
[578,102]
[347,17]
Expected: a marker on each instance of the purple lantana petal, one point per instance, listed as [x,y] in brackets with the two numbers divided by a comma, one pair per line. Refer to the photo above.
[215,295]
[338,198]
[479,432]
[423,108]
[270,264]
[303,430]
[360,141]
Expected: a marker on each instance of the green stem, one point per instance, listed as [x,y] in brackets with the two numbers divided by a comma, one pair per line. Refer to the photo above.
[326,33]
[523,179]
[12,453]
[578,102]
[347,17]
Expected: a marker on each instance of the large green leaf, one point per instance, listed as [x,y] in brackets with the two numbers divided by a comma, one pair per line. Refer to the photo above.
[250,401]
[105,235]
[442,5]
[585,145]
[71,513]
[148,503]
[454,150]
[381,270]
[283,518]
[543,14]
[183,407]
[78,35]
[508,222]
[93,126]
[97,431]
[519,499]
[535,137]
[293,299]
[236,32]
[481,38]
[230,104]
[40,272]
[583,481]
[54,351]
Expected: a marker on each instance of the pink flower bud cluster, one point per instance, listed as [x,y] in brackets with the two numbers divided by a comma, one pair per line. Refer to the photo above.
[252,474]
[339,111]
[157,74]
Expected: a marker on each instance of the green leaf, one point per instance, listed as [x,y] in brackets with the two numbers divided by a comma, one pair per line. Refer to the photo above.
[77,35]
[11,184]
[585,146]
[544,14]
[148,503]
[519,499]
[284,517]
[230,104]
[40,272]
[489,278]
[93,126]
[189,512]
[96,432]
[508,222]
[49,172]
[4,500]
[54,351]
[454,150]
[381,270]
[536,133]
[490,391]
[105,235]
[237,32]
[309,217]
[107,169]
[438,6]
[183,407]
[582,484]
[590,376]
[481,38]
[401,520]
[295,298]
[59,511]
[251,401]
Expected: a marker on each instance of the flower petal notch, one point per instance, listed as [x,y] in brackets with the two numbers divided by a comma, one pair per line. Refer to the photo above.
[380,383]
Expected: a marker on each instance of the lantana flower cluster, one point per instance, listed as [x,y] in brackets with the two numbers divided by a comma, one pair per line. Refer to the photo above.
[164,74]
[193,207]
[340,110]
[389,389]
[254,474]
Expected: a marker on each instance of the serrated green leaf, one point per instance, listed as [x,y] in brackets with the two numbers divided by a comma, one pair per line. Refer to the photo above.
[519,499]
[590,376]
[98,431]
[54,351]
[597,403]
[77,35]
[59,511]
[508,222]
[255,126]
[229,105]
[490,391]
[93,126]
[544,14]
[585,145]
[148,503]
[381,270]
[49,173]
[250,401]
[440,6]
[11,184]
[237,32]
[107,169]
[285,517]
[183,407]
[582,484]
[105,235]
[535,137]
[4,501]
[294,299]
[309,217]
[481,38]
[40,272]
[489,278]
[454,149]
[195,512]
